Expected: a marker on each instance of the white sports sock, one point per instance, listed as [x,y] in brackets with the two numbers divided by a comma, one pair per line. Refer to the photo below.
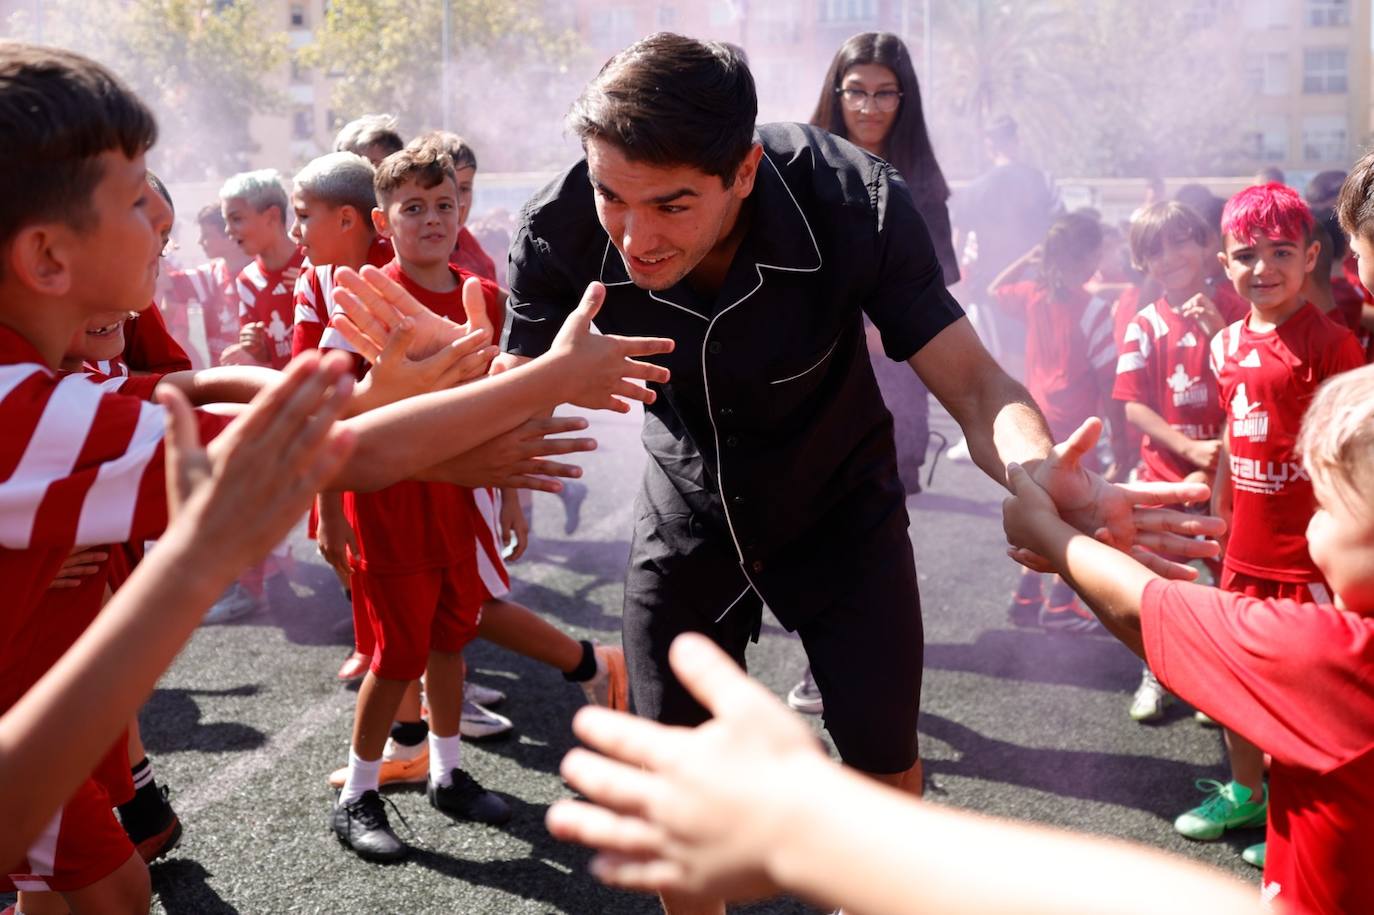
[445,755]
[363,776]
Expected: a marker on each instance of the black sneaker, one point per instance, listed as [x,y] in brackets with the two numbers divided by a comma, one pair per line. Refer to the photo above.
[363,827]
[466,799]
[150,823]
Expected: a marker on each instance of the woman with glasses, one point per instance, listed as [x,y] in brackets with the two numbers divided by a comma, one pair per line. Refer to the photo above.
[870,97]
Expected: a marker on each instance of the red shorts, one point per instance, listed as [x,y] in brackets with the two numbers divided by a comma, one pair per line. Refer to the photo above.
[1315,592]
[415,613]
[82,844]
[113,773]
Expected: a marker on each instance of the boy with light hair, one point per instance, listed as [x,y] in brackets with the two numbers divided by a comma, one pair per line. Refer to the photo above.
[255,207]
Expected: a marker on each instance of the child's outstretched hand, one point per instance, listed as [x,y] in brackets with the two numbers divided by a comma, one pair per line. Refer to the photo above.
[396,374]
[374,306]
[690,810]
[519,459]
[599,366]
[1025,515]
[257,478]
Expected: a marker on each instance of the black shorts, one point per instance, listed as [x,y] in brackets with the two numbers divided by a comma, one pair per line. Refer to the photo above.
[866,648]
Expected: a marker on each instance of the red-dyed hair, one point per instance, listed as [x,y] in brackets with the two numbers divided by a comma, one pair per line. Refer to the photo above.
[1268,210]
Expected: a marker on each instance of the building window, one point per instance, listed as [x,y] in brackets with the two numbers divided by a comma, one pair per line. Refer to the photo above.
[1323,139]
[303,124]
[1266,14]
[1269,141]
[1323,14]
[1267,72]
[297,15]
[1324,71]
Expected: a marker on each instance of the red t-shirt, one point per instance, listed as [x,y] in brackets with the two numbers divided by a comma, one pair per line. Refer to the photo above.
[1295,680]
[468,255]
[213,286]
[413,526]
[314,299]
[1163,365]
[79,464]
[267,296]
[1266,382]
[1068,345]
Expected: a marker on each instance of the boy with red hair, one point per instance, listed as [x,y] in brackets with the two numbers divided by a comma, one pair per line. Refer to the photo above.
[1268,367]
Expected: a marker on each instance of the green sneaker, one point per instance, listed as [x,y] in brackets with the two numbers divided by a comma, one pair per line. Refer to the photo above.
[1254,855]
[1228,806]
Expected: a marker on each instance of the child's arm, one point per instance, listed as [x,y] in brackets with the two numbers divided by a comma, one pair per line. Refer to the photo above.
[1014,271]
[1112,409]
[746,805]
[233,503]
[1199,453]
[335,535]
[1109,581]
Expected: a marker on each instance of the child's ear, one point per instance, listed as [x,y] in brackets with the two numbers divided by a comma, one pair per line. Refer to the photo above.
[1312,250]
[379,222]
[348,217]
[38,256]
[1225,264]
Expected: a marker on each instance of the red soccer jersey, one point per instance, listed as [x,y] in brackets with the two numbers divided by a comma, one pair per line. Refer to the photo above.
[468,255]
[267,296]
[314,299]
[413,526]
[1266,381]
[79,464]
[1163,365]
[1293,679]
[1068,345]
[213,287]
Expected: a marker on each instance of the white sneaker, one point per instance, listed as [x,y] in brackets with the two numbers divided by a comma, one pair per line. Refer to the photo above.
[805,697]
[1149,700]
[959,453]
[483,695]
[479,723]
[235,604]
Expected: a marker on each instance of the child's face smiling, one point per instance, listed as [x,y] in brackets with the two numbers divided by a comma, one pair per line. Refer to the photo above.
[1178,265]
[1268,272]
[1340,539]
[121,252]
[422,222]
[102,338]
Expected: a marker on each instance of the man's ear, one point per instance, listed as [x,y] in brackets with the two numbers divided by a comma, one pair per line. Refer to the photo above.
[39,258]
[379,222]
[747,172]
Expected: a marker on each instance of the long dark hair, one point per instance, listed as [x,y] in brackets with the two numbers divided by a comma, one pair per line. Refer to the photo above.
[908,143]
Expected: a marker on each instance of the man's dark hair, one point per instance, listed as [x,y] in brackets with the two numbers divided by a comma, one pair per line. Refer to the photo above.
[369,130]
[1355,206]
[58,112]
[668,100]
[425,162]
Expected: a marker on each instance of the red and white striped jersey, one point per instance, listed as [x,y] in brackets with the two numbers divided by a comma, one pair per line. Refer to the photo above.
[314,301]
[1163,365]
[266,296]
[80,463]
[213,286]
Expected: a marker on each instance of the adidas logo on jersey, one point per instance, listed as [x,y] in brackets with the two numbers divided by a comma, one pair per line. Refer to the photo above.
[1251,361]
[1187,340]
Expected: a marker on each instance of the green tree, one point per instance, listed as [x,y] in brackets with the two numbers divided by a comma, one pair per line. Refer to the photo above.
[202,65]
[507,70]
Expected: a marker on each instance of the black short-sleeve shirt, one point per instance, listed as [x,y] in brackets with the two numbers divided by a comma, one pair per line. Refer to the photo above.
[772,424]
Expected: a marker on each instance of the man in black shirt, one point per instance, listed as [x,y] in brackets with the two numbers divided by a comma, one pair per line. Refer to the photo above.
[772,476]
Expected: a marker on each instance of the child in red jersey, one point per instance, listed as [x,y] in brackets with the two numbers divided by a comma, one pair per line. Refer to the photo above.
[467,253]
[1268,366]
[1288,673]
[1162,374]
[80,465]
[210,286]
[1355,211]
[255,208]
[1070,357]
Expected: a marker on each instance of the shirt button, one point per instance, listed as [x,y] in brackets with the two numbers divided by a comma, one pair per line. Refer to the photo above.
[714,347]
[758,565]
[738,500]
[732,441]
[727,412]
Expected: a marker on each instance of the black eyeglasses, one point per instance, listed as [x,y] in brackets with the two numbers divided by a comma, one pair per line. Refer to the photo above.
[857,99]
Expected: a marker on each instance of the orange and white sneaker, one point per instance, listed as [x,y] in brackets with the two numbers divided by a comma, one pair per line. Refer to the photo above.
[610,688]
[401,765]
[355,667]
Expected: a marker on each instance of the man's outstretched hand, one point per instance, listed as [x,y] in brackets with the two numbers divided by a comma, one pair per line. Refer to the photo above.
[1129,516]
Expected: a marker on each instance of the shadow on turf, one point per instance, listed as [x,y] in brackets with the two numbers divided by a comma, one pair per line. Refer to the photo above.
[170,722]
[183,886]
[1148,783]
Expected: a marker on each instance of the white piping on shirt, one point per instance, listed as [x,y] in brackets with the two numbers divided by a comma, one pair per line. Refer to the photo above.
[747,589]
[817,364]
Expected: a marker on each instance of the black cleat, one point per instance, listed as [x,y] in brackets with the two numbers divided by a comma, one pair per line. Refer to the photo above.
[363,827]
[468,800]
[150,823]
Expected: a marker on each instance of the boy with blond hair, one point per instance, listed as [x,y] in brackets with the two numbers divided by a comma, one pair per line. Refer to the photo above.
[1291,675]
[255,208]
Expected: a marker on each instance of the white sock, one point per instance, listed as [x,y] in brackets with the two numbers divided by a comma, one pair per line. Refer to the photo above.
[363,776]
[445,755]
